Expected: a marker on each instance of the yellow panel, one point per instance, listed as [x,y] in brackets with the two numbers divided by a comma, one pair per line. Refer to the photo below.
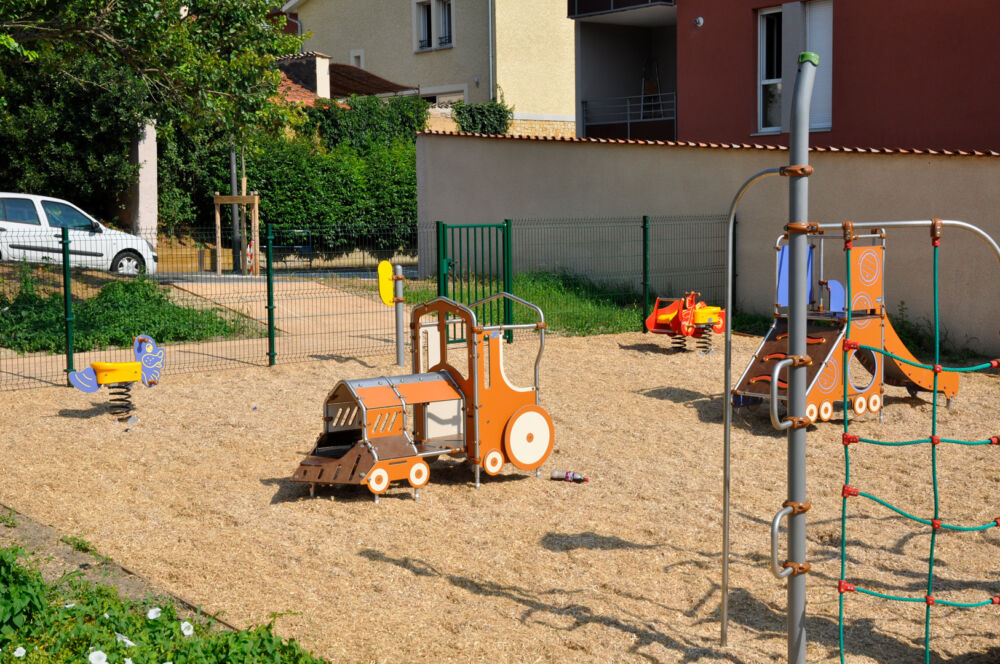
[385,284]
[117,372]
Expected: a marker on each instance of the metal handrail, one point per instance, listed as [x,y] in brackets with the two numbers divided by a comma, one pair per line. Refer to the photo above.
[615,5]
[635,108]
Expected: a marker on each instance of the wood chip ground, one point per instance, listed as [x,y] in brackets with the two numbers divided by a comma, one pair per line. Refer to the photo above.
[196,498]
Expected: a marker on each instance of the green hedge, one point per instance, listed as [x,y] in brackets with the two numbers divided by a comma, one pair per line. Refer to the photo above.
[370,121]
[493,117]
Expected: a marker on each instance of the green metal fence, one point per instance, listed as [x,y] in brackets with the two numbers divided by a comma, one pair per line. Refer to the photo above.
[602,274]
[307,301]
[473,261]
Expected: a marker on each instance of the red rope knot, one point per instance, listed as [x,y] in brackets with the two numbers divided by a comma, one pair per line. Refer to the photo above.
[997,521]
[849,491]
[851,345]
[995,364]
[848,439]
[936,242]
[845,587]
[995,440]
[929,599]
[935,440]
[938,368]
[936,524]
[995,600]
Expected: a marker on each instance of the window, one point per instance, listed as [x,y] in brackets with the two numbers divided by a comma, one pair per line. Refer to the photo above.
[819,40]
[358,58]
[424,35]
[769,69]
[444,14]
[63,216]
[19,210]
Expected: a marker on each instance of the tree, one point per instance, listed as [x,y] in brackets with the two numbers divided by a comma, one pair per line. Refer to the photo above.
[196,61]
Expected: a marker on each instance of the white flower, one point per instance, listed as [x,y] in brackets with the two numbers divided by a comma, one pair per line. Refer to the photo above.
[107,616]
[98,657]
[20,652]
[187,629]
[124,639]
[128,660]
[153,613]
[70,605]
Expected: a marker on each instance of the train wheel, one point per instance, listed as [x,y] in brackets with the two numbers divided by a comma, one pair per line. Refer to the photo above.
[825,411]
[528,437]
[493,462]
[378,481]
[419,474]
[860,406]
[811,412]
[874,403]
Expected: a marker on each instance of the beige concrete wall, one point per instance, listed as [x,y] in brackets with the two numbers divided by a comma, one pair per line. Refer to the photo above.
[475,180]
[535,54]
[384,30]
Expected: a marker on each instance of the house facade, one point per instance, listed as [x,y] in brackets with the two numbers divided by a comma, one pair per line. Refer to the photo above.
[893,73]
[451,50]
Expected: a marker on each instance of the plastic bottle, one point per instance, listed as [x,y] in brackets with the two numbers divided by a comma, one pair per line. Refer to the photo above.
[568,476]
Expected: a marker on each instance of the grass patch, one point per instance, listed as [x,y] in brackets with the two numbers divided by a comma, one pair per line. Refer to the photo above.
[573,306]
[72,621]
[78,543]
[8,520]
[31,322]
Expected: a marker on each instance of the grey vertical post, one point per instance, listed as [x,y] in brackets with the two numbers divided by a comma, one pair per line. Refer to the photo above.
[397,296]
[798,300]
[645,273]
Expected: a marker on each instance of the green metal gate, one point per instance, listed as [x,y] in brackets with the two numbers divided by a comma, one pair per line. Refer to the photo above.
[474,261]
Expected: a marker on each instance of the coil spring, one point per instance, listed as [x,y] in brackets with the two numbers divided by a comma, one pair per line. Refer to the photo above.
[120,403]
[704,343]
[678,342]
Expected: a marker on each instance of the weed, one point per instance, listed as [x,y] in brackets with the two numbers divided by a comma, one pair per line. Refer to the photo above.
[8,519]
[64,621]
[78,543]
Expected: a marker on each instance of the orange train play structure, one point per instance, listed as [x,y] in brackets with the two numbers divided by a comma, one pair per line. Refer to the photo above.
[380,430]
[826,328]
[680,318]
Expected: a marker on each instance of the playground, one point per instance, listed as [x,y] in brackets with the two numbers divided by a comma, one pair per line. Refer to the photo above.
[197,498]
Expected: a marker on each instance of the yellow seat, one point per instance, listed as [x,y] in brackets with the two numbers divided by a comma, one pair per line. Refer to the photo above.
[706,315]
[117,372]
[666,318]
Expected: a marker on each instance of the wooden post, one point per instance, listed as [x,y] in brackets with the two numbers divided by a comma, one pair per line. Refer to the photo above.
[218,238]
[255,223]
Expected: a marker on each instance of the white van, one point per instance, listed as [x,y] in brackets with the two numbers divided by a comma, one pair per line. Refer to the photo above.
[31,230]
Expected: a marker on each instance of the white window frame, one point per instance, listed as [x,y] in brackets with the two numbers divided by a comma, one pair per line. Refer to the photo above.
[419,37]
[761,60]
[446,8]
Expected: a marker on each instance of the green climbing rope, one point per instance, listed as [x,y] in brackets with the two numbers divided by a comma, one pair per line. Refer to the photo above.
[933,439]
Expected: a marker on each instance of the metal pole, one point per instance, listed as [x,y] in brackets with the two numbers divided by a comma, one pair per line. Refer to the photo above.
[67,303]
[798,299]
[645,272]
[508,279]
[397,293]
[727,411]
[271,354]
[237,242]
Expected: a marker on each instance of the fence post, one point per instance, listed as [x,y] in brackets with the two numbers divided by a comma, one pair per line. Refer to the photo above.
[442,261]
[645,272]
[397,296]
[67,303]
[270,297]
[508,280]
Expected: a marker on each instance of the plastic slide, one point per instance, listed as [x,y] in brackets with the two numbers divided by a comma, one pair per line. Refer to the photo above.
[913,378]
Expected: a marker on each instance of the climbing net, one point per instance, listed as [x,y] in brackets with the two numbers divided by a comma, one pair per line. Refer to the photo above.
[933,440]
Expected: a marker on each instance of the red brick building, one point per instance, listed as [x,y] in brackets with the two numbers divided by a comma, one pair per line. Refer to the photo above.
[893,73]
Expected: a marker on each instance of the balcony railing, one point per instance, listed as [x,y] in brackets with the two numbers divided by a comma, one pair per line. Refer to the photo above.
[577,8]
[628,112]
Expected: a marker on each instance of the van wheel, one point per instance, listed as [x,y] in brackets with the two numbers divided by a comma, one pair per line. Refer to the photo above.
[128,263]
